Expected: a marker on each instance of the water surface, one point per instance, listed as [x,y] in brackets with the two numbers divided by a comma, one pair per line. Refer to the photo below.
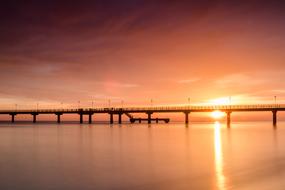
[140,156]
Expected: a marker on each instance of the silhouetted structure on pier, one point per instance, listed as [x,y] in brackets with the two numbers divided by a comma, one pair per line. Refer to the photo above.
[186,110]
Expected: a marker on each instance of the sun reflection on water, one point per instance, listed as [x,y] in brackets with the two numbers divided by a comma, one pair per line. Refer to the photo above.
[219,165]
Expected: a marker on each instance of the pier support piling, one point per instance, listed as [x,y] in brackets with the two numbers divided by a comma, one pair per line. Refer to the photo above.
[34,117]
[58,117]
[120,118]
[90,118]
[81,118]
[228,119]
[12,118]
[186,117]
[274,117]
[149,117]
[111,118]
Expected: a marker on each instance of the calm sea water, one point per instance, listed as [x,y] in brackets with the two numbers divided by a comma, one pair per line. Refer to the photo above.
[140,156]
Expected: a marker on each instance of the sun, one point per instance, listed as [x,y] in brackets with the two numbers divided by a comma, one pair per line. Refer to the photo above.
[217,114]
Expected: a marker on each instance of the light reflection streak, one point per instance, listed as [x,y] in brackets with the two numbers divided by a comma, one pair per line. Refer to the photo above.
[219,165]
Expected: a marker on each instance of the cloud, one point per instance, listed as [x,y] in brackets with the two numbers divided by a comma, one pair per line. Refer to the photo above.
[118,84]
[52,51]
[188,81]
[239,79]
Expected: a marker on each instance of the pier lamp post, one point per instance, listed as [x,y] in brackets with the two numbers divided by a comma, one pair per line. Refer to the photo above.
[275,101]
[122,103]
[189,101]
[78,104]
[151,102]
[92,104]
[109,103]
[37,106]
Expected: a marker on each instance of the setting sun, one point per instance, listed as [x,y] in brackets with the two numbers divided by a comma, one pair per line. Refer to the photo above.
[217,114]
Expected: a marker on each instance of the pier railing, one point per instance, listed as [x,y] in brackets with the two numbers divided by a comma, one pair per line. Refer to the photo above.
[155,108]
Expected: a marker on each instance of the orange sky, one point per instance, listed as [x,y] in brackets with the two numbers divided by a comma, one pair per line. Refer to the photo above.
[57,53]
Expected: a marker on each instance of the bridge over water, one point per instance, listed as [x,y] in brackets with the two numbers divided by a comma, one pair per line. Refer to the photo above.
[129,111]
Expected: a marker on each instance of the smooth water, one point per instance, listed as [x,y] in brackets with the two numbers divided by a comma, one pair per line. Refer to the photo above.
[140,156]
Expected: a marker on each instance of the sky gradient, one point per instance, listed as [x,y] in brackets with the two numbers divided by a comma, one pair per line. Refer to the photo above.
[57,53]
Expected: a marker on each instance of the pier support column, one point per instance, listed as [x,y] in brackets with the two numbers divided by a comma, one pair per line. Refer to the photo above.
[120,118]
[90,118]
[274,117]
[186,117]
[81,118]
[12,118]
[111,118]
[58,117]
[149,117]
[229,119]
[34,117]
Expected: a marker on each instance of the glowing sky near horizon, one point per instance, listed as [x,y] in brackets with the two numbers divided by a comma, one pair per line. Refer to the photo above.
[134,50]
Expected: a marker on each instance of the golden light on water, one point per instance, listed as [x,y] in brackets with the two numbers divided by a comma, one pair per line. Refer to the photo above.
[219,164]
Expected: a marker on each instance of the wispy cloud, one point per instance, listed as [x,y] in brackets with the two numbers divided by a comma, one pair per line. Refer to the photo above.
[279,91]
[188,81]
[119,84]
[239,79]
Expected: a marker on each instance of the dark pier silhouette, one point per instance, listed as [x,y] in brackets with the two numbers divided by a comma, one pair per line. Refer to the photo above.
[186,110]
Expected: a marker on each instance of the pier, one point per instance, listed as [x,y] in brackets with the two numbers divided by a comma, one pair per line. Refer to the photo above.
[149,111]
